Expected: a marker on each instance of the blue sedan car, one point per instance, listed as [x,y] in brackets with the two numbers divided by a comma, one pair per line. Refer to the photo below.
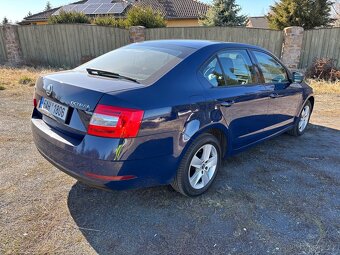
[165,112]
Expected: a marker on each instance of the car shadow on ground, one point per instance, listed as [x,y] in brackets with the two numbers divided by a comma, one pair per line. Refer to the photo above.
[280,197]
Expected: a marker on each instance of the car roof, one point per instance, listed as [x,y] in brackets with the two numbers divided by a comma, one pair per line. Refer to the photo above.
[199,44]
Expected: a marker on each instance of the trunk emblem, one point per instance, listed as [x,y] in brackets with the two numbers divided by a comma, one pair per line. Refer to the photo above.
[49,90]
[80,106]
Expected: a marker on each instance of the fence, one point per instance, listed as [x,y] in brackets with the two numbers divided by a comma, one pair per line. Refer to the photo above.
[68,45]
[320,43]
[269,39]
[2,47]
[71,44]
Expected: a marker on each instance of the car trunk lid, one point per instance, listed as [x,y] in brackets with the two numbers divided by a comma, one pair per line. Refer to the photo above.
[79,93]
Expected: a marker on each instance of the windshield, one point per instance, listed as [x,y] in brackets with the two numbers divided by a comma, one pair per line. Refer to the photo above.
[143,63]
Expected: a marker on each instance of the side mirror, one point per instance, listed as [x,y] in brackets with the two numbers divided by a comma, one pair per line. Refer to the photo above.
[298,77]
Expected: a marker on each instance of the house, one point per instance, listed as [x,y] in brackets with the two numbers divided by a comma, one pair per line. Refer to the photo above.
[177,13]
[258,22]
[41,18]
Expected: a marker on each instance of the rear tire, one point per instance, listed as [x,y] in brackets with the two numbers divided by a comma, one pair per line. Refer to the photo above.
[302,122]
[199,166]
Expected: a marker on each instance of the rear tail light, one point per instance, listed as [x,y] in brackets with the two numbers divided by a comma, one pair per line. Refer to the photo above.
[35,102]
[115,122]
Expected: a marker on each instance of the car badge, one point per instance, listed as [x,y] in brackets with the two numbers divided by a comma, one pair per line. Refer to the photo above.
[49,90]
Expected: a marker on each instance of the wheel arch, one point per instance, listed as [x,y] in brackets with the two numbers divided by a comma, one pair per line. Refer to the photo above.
[309,98]
[216,129]
[312,101]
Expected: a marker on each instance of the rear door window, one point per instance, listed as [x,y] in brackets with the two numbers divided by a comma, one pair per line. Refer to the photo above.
[237,67]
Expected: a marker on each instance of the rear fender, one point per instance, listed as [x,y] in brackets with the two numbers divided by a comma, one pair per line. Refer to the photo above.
[206,129]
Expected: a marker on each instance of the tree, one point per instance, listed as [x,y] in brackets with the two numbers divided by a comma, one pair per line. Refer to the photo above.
[224,13]
[304,13]
[48,6]
[147,17]
[5,21]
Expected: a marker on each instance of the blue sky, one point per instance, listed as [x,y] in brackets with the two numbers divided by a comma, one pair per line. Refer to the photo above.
[16,10]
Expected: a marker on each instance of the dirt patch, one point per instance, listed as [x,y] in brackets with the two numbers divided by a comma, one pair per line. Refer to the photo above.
[281,197]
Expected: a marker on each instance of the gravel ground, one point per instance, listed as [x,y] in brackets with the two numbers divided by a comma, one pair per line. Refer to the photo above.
[281,197]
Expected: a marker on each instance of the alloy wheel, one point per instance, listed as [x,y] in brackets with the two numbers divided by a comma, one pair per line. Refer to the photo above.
[203,166]
[304,118]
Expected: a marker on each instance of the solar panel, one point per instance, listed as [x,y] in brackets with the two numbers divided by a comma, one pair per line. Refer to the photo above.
[103,9]
[90,8]
[95,7]
[79,7]
[118,8]
[99,1]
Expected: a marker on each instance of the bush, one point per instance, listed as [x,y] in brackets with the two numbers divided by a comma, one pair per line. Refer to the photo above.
[109,21]
[25,80]
[121,23]
[147,17]
[69,17]
[104,21]
[323,69]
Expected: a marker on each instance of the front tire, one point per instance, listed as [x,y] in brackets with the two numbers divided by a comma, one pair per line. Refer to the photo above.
[199,166]
[303,120]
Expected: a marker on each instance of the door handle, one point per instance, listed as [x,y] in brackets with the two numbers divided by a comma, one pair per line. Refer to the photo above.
[228,103]
[274,95]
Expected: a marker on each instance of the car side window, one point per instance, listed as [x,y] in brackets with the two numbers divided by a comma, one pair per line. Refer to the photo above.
[213,73]
[272,70]
[237,67]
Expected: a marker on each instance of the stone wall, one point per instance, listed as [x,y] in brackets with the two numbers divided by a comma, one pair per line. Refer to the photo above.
[12,44]
[137,34]
[292,47]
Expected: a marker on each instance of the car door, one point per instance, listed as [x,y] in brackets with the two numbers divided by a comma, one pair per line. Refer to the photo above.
[284,96]
[233,87]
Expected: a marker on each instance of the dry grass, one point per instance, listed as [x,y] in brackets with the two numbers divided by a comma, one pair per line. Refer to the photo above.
[20,79]
[325,87]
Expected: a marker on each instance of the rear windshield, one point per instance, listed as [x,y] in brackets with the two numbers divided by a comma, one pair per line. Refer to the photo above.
[144,63]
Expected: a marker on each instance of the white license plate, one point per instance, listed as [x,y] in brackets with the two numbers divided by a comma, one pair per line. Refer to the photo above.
[53,108]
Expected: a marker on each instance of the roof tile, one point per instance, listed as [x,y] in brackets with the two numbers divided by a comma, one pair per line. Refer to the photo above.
[177,8]
[171,9]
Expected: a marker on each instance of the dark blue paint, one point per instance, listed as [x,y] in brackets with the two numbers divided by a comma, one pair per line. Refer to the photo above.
[178,107]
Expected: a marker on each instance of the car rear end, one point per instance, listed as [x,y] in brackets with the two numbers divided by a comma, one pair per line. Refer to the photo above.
[78,134]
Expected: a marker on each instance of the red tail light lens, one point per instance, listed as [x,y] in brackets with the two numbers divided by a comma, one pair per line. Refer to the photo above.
[115,122]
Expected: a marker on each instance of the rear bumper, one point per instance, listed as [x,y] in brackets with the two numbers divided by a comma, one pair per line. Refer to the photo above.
[95,156]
